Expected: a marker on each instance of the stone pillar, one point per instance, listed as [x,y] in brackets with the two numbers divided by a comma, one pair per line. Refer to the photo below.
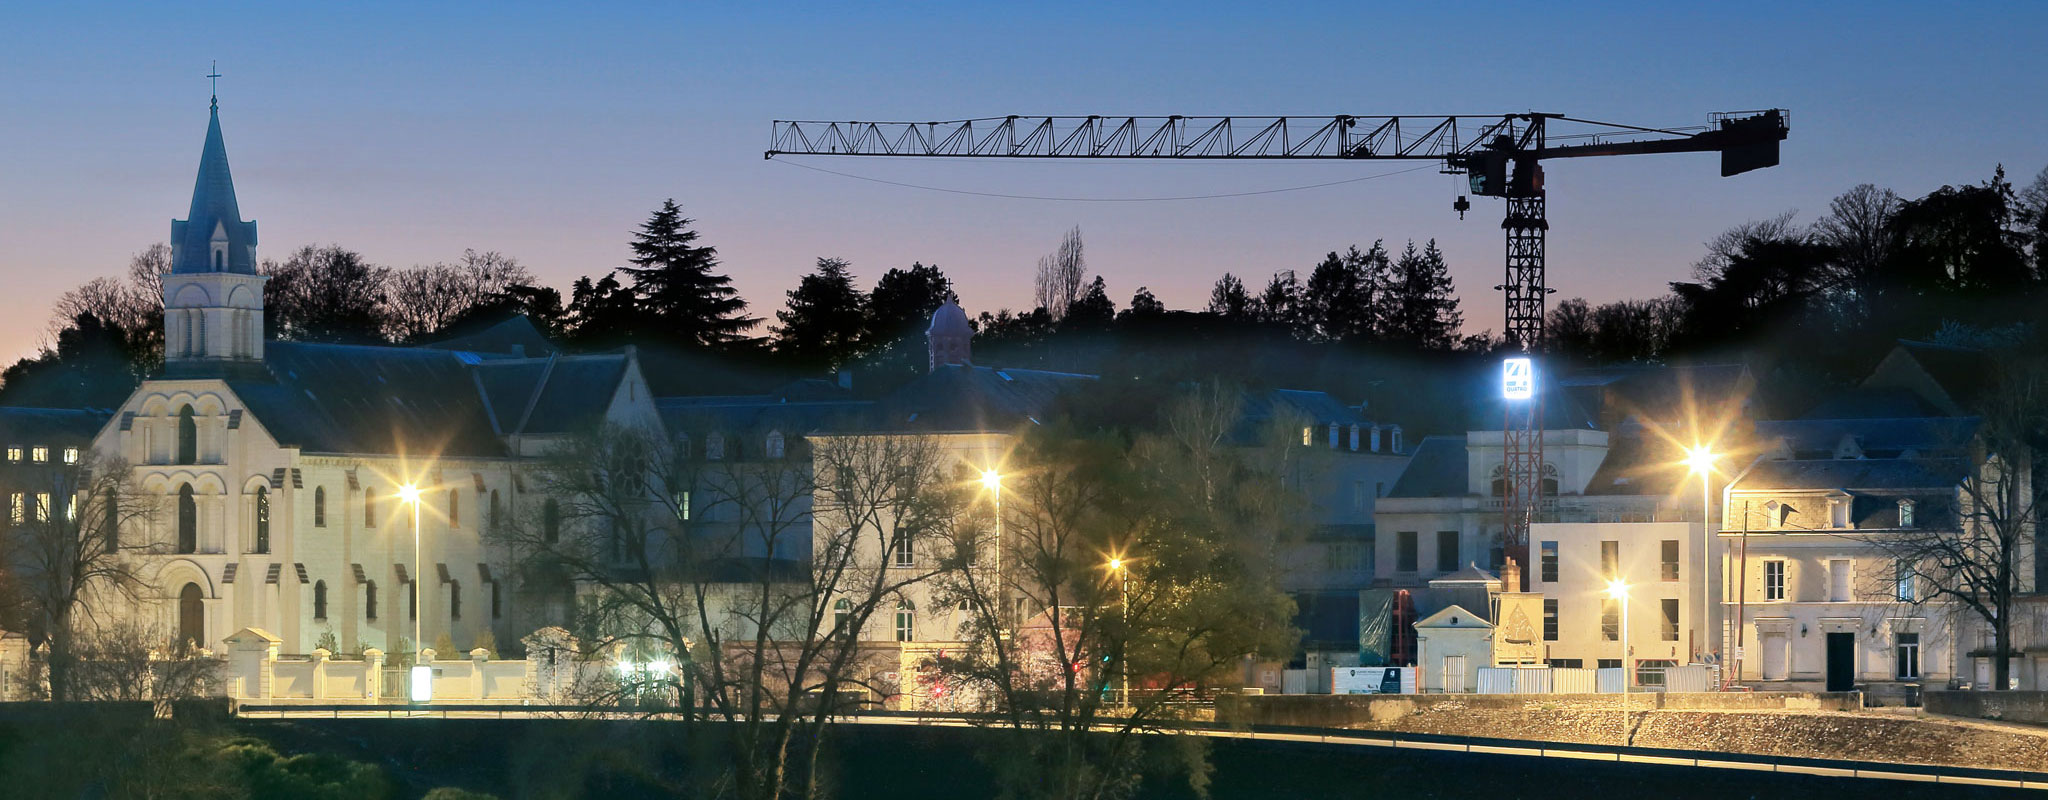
[320,656]
[13,666]
[373,677]
[477,658]
[252,657]
[550,664]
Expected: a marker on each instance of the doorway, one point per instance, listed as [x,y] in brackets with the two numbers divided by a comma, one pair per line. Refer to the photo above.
[1841,661]
[1454,673]
[191,617]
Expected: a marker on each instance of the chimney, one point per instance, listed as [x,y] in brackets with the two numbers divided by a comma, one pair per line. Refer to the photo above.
[1511,576]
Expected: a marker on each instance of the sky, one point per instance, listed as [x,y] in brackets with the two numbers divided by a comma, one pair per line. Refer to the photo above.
[549,131]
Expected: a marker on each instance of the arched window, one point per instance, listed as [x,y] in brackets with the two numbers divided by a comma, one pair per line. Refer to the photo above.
[774,447]
[454,600]
[454,509]
[188,520]
[497,512]
[263,521]
[319,599]
[369,507]
[220,260]
[412,600]
[319,506]
[551,521]
[370,600]
[682,445]
[191,616]
[188,437]
[497,609]
[906,621]
[841,612]
[714,446]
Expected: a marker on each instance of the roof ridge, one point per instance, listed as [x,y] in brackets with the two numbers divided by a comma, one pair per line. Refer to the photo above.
[539,385]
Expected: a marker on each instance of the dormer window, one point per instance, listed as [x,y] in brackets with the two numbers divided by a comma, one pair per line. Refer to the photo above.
[1333,436]
[682,445]
[1308,435]
[774,444]
[1375,438]
[220,259]
[1354,438]
[714,447]
[1394,440]
[1905,513]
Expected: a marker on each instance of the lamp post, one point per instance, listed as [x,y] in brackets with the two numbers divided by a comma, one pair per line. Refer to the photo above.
[422,688]
[1123,666]
[992,482]
[1700,460]
[1619,591]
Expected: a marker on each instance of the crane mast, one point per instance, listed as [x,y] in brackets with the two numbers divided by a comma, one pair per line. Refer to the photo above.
[1501,154]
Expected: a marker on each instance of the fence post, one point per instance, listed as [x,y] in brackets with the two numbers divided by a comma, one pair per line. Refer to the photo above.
[320,656]
[252,658]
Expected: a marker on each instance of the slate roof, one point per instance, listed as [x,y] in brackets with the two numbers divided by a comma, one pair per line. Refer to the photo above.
[1873,402]
[213,205]
[1611,395]
[1853,474]
[44,426]
[1561,411]
[1963,372]
[965,398]
[327,398]
[514,335]
[1877,437]
[1438,469]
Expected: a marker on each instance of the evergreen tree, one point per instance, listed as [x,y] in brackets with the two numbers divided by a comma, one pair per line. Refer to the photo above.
[1280,303]
[1228,299]
[902,304]
[684,300]
[1093,311]
[1338,303]
[826,317]
[1145,306]
[1421,310]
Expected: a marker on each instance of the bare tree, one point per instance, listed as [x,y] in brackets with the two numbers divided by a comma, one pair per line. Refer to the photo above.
[125,660]
[1981,556]
[69,559]
[1119,583]
[428,298]
[1062,274]
[690,565]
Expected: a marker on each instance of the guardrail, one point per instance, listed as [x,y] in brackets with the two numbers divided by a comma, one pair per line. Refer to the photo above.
[1791,765]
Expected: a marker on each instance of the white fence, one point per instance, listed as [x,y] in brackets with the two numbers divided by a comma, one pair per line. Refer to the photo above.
[1559,680]
[552,673]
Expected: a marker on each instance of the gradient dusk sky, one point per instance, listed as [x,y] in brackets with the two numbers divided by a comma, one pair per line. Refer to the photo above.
[411,131]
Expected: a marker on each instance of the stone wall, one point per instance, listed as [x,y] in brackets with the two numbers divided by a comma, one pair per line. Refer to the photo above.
[2008,706]
[1364,711]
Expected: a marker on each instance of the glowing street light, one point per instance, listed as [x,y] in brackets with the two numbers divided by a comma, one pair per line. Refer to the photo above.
[992,481]
[1700,461]
[422,689]
[1619,591]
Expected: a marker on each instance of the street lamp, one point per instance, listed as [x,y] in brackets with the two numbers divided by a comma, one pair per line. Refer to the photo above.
[1619,591]
[422,689]
[1123,667]
[1700,461]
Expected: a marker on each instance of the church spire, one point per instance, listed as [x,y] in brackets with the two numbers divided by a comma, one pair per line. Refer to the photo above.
[213,237]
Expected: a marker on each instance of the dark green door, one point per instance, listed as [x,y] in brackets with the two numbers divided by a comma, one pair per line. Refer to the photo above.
[1841,662]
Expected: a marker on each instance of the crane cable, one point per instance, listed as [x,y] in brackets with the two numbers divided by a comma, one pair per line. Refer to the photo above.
[1107,199]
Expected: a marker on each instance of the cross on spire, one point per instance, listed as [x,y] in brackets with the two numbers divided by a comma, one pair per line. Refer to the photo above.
[215,77]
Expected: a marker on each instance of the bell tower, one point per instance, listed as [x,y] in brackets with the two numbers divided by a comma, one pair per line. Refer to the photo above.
[213,298]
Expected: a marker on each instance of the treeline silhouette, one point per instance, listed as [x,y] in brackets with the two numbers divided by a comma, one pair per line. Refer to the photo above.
[1809,306]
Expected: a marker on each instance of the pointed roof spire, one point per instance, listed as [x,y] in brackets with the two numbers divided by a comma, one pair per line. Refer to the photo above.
[214,213]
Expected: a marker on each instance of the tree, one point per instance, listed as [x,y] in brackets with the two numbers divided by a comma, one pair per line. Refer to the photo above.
[1053,629]
[1094,311]
[91,365]
[826,321]
[602,313]
[1062,275]
[1569,329]
[540,304]
[1281,302]
[1146,306]
[1959,242]
[1420,308]
[71,552]
[903,302]
[1228,299]
[685,300]
[1341,301]
[696,561]
[1980,556]
[326,294]
[2032,213]
[1858,228]
[426,299]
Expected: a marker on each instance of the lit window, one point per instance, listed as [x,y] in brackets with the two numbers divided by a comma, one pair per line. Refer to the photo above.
[39,455]
[17,508]
[42,506]
[1308,436]
[1906,514]
[14,455]
[70,455]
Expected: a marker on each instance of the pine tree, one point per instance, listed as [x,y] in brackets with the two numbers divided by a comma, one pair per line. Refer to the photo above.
[683,299]
[1280,303]
[1145,306]
[1228,299]
[1338,303]
[1423,311]
[826,318]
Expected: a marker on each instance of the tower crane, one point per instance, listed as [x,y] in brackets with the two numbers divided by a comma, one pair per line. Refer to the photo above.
[1501,155]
